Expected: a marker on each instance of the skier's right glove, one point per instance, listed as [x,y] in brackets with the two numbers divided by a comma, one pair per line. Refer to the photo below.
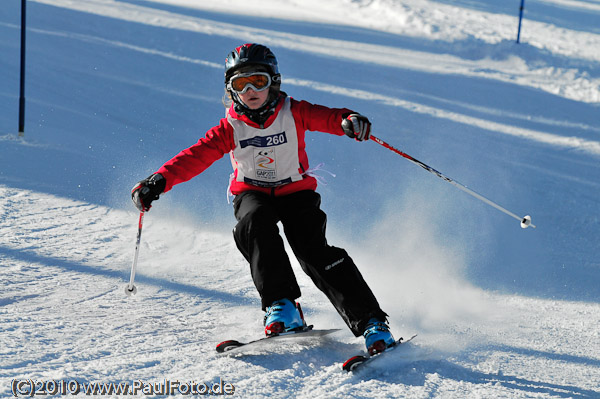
[148,190]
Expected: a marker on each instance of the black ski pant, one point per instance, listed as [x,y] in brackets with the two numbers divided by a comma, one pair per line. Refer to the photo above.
[331,269]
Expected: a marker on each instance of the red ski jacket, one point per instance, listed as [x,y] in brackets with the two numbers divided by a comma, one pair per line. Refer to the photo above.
[220,140]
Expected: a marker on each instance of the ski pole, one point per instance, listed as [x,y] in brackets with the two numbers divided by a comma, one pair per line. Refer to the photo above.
[525,220]
[521,8]
[131,289]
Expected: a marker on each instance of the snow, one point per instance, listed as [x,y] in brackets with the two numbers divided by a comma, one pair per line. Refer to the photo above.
[116,88]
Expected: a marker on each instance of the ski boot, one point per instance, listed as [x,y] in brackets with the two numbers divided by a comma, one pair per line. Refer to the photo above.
[377,336]
[282,316]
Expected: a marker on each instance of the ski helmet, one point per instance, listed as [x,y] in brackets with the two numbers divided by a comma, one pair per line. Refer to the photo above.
[251,54]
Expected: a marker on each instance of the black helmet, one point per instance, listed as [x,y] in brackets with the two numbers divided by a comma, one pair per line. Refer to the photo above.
[251,54]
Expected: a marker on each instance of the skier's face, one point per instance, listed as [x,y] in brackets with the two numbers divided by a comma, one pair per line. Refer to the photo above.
[254,99]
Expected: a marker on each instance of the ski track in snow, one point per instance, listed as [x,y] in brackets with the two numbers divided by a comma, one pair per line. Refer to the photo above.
[576,143]
[498,64]
[65,262]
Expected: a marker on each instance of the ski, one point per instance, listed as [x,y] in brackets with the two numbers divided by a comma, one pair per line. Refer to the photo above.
[355,362]
[234,346]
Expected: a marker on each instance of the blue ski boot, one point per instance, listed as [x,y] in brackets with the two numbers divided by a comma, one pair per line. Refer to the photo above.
[282,316]
[377,336]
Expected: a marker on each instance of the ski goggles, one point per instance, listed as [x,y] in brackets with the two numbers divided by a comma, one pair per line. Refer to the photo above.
[258,81]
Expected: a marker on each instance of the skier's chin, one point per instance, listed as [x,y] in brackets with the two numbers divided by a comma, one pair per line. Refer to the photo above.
[254,103]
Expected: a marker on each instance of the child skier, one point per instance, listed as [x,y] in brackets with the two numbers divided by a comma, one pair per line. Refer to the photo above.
[263,132]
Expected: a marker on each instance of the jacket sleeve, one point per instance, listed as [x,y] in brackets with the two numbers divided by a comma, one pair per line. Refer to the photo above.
[316,117]
[197,158]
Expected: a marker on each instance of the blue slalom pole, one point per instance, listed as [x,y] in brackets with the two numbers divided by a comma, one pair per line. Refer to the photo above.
[520,18]
[22,83]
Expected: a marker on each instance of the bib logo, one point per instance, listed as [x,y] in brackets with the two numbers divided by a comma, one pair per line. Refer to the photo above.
[264,161]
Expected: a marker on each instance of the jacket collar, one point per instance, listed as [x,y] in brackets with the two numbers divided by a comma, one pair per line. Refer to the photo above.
[268,122]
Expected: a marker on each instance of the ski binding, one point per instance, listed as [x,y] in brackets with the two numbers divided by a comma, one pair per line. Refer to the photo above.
[356,362]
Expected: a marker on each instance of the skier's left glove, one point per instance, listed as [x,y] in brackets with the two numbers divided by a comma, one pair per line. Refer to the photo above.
[148,190]
[356,126]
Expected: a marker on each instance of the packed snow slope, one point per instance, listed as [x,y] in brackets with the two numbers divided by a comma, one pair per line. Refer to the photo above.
[116,88]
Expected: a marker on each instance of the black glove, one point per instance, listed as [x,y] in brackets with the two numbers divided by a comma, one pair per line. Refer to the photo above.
[356,126]
[148,190]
